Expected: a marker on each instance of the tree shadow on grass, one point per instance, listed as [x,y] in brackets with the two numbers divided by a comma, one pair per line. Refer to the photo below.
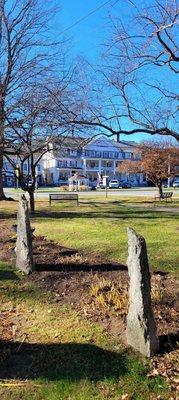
[67,267]
[8,275]
[72,361]
[108,214]
[5,216]
[100,203]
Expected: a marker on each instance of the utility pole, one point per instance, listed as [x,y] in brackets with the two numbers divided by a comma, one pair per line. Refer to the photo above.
[105,177]
[169,171]
[17,176]
[106,189]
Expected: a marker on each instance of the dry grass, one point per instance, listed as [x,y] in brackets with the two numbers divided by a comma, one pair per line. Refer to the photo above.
[107,295]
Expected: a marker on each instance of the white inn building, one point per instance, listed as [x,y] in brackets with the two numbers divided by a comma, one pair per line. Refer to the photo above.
[90,158]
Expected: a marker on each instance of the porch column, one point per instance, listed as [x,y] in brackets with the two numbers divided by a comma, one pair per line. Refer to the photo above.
[84,165]
[100,167]
[114,168]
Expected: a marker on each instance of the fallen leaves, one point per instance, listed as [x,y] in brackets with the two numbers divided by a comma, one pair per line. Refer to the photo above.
[167,366]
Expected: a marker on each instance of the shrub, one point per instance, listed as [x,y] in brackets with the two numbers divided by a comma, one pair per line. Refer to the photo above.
[64,188]
[82,188]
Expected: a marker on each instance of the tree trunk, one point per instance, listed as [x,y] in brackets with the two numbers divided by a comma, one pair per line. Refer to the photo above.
[2,195]
[32,200]
[160,189]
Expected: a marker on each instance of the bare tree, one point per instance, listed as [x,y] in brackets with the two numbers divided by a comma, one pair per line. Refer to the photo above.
[142,66]
[30,137]
[27,142]
[25,57]
[150,38]
[137,89]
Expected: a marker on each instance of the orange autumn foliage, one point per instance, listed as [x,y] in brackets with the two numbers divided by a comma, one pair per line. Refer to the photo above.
[157,161]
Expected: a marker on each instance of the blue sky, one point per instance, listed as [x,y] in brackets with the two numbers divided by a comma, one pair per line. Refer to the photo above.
[87,36]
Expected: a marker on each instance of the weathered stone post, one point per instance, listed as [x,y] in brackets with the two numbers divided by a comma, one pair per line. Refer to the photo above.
[24,252]
[141,329]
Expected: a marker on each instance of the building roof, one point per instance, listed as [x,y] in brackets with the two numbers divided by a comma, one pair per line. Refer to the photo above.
[77,176]
[124,143]
[63,144]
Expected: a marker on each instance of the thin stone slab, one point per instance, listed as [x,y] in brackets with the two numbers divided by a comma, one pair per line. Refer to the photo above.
[141,329]
[24,251]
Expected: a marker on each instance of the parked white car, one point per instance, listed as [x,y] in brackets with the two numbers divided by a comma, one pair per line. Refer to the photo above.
[113,184]
[176,183]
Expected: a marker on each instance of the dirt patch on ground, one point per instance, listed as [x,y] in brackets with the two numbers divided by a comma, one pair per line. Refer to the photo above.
[7,242]
[98,289]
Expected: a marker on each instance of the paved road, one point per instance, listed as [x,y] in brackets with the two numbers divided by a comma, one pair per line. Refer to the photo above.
[137,192]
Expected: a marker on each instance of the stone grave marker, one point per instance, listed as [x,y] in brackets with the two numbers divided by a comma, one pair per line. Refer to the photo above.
[24,251]
[141,330]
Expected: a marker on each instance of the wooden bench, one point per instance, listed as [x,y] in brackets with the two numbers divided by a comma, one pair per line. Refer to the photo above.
[166,196]
[62,197]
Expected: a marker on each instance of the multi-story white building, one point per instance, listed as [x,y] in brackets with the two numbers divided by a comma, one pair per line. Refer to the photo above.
[69,156]
[92,158]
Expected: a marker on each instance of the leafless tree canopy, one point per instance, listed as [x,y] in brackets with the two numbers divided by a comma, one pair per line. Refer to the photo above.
[137,87]
[151,37]
[28,60]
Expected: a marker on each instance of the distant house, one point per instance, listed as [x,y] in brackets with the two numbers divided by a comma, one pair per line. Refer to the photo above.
[78,181]
[9,173]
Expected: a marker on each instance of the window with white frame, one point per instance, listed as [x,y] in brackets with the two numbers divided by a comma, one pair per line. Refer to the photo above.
[111,154]
[106,154]
[128,156]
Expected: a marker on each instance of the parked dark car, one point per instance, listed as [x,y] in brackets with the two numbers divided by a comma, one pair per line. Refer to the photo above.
[126,185]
